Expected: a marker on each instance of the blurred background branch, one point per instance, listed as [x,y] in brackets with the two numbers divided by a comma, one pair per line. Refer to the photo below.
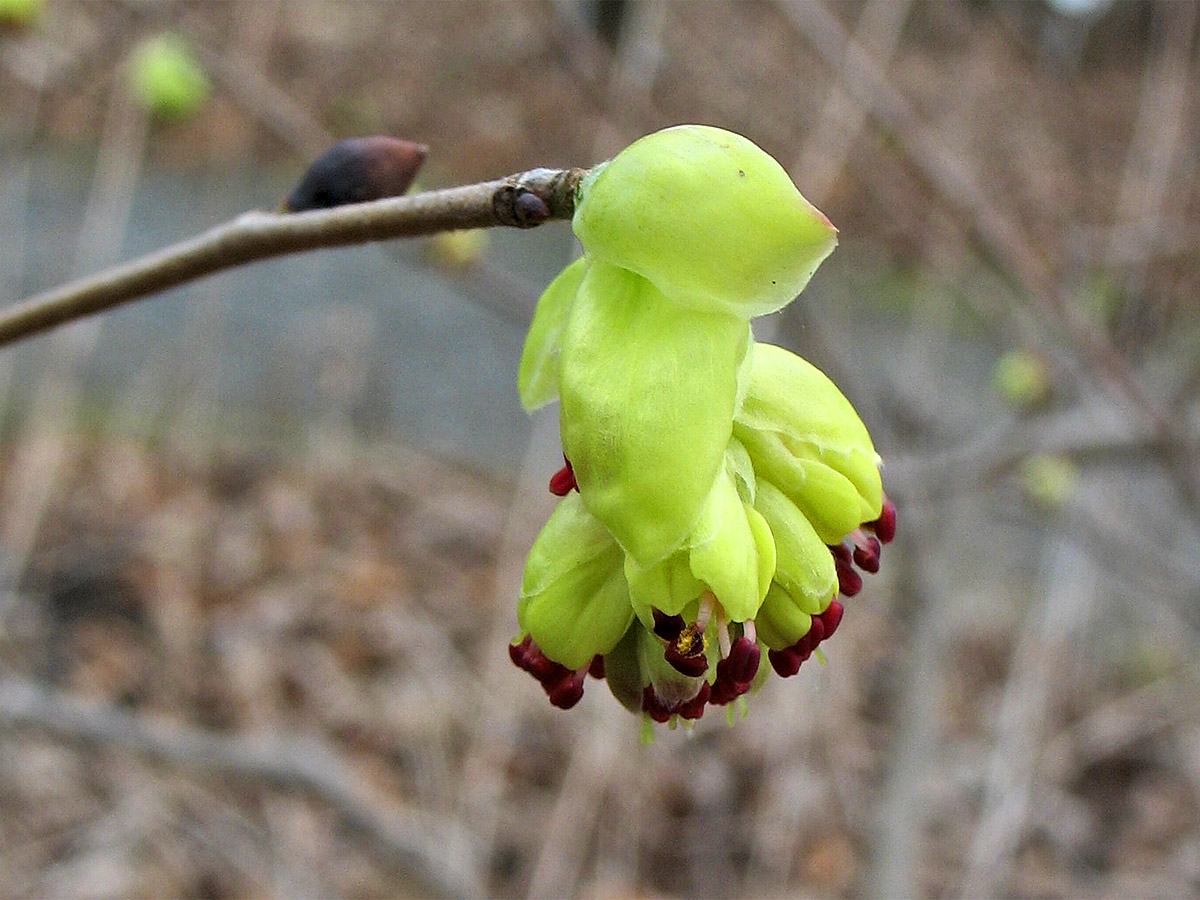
[293,499]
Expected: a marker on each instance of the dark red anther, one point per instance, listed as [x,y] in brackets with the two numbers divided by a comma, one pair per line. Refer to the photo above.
[831,618]
[528,656]
[687,660]
[516,652]
[866,557]
[562,482]
[735,672]
[816,634]
[596,669]
[723,691]
[667,627]
[656,709]
[841,554]
[849,581]
[567,692]
[785,662]
[885,525]
[742,661]
[694,708]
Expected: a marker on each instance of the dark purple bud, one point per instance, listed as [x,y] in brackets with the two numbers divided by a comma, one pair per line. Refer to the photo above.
[357,170]
[596,669]
[530,209]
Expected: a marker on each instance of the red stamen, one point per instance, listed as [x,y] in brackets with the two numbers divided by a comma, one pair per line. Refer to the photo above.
[866,553]
[831,618]
[563,481]
[885,525]
[567,692]
[694,708]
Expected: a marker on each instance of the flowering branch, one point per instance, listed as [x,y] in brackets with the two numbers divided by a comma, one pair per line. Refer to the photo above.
[522,200]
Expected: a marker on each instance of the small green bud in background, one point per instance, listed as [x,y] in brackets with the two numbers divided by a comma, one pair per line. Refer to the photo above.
[1048,479]
[16,15]
[1022,379]
[459,249]
[167,79]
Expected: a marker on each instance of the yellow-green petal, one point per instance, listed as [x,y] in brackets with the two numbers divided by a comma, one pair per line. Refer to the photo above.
[537,376]
[647,394]
[574,600]
[732,551]
[804,567]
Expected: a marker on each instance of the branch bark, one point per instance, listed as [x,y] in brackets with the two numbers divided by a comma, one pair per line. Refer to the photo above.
[522,200]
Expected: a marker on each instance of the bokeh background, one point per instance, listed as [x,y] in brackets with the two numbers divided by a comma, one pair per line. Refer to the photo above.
[260,537]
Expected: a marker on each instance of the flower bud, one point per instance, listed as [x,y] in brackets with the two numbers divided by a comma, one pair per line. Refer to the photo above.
[805,437]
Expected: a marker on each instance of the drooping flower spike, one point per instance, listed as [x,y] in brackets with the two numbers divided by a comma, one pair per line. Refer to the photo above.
[710,483]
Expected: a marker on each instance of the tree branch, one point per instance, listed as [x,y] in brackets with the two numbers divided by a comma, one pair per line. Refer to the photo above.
[523,200]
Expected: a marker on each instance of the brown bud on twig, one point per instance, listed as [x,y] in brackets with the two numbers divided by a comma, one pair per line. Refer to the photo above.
[357,170]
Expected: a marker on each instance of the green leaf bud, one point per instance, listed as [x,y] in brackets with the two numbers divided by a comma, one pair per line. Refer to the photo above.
[167,79]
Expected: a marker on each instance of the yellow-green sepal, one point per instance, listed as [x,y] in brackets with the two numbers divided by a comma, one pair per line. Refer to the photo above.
[574,601]
[537,375]
[781,622]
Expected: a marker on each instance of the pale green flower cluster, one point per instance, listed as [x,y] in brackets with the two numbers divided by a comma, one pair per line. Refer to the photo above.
[713,474]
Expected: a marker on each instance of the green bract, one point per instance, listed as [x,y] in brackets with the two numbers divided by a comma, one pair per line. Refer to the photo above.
[713,221]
